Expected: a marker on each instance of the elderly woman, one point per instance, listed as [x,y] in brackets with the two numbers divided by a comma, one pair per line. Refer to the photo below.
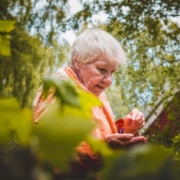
[95,56]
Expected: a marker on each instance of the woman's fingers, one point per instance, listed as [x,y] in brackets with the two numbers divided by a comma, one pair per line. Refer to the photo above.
[117,136]
[138,123]
[138,120]
[122,140]
[136,114]
[128,120]
[137,140]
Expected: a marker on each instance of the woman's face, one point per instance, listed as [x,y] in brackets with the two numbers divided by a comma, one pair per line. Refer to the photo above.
[96,75]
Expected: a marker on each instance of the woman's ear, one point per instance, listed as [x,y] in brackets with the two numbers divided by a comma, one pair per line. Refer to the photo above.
[76,63]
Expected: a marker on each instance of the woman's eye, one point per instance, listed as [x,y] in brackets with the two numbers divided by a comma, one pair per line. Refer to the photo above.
[112,72]
[102,70]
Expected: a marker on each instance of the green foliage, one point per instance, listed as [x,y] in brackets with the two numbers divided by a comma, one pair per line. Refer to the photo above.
[176,146]
[30,58]
[59,133]
[151,39]
[5,45]
[21,73]
[13,118]
[36,15]
[54,140]
[64,91]
[5,27]
[143,162]
[99,146]
[65,128]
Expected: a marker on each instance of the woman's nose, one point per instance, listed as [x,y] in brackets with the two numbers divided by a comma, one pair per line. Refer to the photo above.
[108,79]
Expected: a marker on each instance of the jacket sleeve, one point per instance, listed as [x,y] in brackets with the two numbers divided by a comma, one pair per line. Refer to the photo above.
[40,105]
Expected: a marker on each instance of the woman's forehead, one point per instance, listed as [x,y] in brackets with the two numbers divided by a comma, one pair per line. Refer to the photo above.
[106,63]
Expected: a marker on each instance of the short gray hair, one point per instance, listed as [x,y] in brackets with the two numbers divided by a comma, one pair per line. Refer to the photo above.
[94,43]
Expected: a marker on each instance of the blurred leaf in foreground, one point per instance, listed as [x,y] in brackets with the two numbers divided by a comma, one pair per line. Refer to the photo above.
[16,120]
[59,132]
[144,162]
[99,146]
[63,90]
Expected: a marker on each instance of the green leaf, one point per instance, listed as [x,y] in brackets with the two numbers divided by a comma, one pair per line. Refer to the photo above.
[6,25]
[5,45]
[65,91]
[59,132]
[99,146]
[176,143]
[16,119]
[87,101]
[142,162]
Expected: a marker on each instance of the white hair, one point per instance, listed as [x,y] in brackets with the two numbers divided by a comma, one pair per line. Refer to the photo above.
[94,43]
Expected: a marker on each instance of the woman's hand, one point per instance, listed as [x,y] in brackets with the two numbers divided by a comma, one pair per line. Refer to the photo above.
[117,141]
[134,121]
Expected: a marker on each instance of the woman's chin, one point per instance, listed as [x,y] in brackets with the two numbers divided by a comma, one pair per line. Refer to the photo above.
[98,90]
